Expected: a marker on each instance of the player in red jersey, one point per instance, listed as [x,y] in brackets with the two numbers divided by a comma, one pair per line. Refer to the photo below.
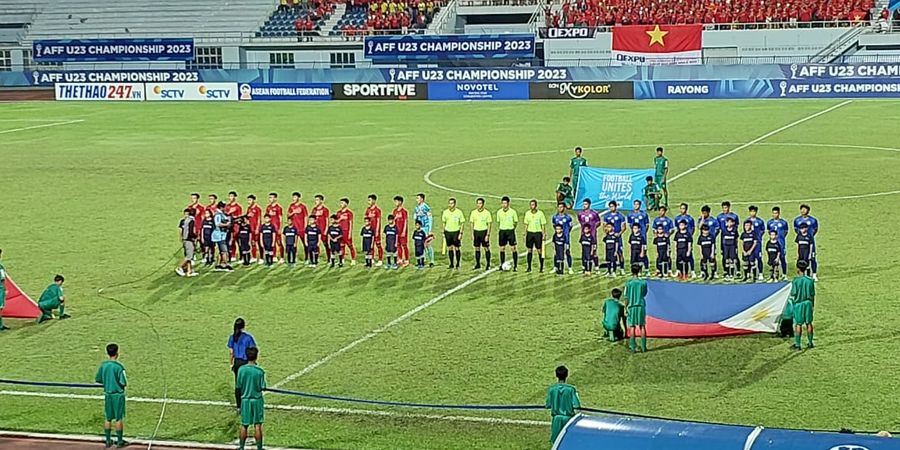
[297,214]
[234,210]
[373,213]
[199,210]
[275,212]
[254,219]
[401,221]
[345,221]
[321,214]
[213,200]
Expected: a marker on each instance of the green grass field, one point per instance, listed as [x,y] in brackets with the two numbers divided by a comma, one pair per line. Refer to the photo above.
[99,201]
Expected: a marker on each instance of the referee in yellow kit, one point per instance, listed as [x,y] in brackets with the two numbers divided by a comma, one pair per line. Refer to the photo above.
[481,221]
[453,220]
[535,221]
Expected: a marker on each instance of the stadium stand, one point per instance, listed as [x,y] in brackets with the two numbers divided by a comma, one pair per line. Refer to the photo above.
[159,18]
[309,18]
[16,16]
[734,14]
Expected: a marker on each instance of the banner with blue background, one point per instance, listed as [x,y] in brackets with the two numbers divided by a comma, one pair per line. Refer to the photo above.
[68,50]
[431,47]
[604,185]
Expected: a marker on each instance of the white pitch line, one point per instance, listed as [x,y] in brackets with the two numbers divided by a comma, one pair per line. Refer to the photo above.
[821,199]
[382,329]
[761,138]
[312,409]
[46,125]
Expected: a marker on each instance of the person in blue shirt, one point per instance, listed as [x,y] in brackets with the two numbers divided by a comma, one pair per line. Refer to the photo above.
[638,244]
[267,234]
[423,214]
[726,213]
[561,248]
[730,262]
[290,244]
[667,224]
[706,219]
[367,233]
[780,227]
[220,237]
[689,224]
[312,235]
[617,220]
[642,220]
[759,230]
[238,343]
[813,225]
[563,219]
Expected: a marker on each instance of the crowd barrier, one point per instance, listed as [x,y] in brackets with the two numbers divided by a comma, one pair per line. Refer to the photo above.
[484,90]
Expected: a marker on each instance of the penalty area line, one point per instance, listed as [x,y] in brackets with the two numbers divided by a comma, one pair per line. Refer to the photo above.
[45,125]
[382,329]
[279,407]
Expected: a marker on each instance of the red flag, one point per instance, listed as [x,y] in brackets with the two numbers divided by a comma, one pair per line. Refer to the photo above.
[18,304]
[658,44]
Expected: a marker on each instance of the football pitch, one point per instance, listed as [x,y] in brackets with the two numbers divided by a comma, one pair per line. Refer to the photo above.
[95,192]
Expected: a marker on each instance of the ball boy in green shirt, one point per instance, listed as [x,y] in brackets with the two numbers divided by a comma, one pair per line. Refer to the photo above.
[251,380]
[111,375]
[562,401]
[612,315]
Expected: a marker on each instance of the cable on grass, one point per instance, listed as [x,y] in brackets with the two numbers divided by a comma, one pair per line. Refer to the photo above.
[159,340]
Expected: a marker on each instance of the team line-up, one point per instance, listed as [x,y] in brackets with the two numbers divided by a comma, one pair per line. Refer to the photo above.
[226,233]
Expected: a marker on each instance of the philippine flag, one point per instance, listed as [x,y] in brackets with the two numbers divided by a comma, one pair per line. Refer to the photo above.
[654,45]
[687,310]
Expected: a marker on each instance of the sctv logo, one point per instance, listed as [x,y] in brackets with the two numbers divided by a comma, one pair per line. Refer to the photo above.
[849,447]
[214,93]
[168,93]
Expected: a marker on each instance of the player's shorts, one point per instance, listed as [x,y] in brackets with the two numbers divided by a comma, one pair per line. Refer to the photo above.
[659,181]
[637,316]
[506,237]
[611,256]
[335,247]
[48,305]
[223,246]
[2,297]
[114,407]
[534,240]
[729,253]
[392,247]
[803,313]
[252,411]
[420,251]
[479,238]
[451,238]
[367,246]
[188,247]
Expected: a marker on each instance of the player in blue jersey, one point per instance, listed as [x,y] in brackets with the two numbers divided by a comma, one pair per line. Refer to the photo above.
[730,262]
[637,242]
[312,237]
[683,216]
[725,214]
[563,219]
[780,227]
[560,247]
[759,230]
[711,223]
[667,224]
[642,220]
[423,214]
[813,225]
[618,222]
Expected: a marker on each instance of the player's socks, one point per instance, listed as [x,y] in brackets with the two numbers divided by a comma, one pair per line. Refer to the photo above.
[643,343]
[797,340]
[612,336]
[515,256]
[62,310]
[478,258]
[568,259]
[452,256]
[458,257]
[107,433]
[243,442]
[528,259]
[809,338]
[541,259]
[259,444]
[119,439]
[632,343]
[487,259]
[502,258]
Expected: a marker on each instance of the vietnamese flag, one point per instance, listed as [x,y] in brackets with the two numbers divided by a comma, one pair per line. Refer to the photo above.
[657,44]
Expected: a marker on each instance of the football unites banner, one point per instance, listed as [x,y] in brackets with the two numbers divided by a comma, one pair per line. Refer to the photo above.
[604,185]
[685,310]
[654,45]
